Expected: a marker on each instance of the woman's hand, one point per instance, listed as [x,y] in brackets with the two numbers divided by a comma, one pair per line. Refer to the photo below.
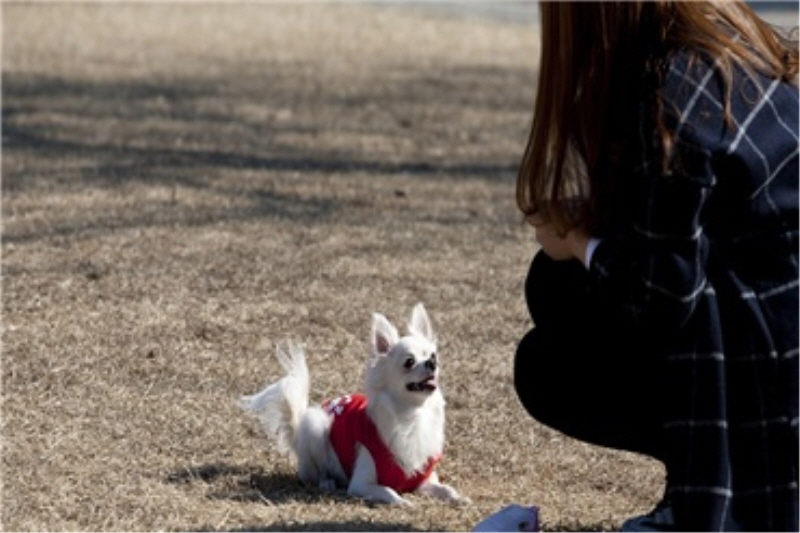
[560,247]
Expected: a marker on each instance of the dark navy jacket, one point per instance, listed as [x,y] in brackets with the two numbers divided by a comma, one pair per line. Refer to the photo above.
[705,259]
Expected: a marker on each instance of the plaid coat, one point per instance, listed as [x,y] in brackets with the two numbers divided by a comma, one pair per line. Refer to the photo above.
[706,261]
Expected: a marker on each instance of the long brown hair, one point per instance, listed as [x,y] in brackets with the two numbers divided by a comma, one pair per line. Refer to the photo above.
[595,56]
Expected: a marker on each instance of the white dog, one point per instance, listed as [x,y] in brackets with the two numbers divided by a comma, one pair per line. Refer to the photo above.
[378,445]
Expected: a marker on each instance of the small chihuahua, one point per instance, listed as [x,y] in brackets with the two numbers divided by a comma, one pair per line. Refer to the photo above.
[379,444]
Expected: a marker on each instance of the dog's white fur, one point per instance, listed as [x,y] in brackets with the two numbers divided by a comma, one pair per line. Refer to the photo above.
[410,422]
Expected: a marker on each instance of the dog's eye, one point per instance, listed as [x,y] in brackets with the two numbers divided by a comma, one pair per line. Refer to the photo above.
[433,358]
[408,363]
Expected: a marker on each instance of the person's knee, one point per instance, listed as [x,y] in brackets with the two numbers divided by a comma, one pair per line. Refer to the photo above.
[545,380]
[526,376]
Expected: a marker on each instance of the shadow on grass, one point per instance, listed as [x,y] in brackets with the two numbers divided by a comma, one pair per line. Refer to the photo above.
[246,484]
[252,484]
[69,136]
[53,117]
[350,525]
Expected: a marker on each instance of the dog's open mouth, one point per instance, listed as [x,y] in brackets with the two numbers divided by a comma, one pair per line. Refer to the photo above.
[426,385]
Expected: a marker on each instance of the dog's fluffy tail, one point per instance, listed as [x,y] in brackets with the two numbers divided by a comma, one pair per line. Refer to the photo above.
[280,406]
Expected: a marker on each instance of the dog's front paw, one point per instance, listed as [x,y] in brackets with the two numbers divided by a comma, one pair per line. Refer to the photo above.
[374,493]
[400,502]
[443,492]
[460,500]
[404,502]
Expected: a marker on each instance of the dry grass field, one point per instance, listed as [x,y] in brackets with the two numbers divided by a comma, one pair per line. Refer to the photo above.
[185,185]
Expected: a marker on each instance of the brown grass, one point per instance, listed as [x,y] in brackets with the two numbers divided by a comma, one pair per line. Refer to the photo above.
[184,185]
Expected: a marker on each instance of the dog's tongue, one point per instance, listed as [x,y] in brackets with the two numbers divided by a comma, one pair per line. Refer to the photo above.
[430,383]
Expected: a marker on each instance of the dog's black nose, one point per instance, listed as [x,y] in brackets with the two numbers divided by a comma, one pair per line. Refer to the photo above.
[431,363]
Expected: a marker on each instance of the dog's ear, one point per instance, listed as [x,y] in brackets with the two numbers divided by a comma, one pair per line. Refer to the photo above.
[420,324]
[383,336]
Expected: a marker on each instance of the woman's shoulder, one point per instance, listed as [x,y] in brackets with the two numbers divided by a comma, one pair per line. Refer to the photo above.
[698,90]
[692,79]
[686,67]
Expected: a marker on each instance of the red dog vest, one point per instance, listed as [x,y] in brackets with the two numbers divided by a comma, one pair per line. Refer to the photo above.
[352,426]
